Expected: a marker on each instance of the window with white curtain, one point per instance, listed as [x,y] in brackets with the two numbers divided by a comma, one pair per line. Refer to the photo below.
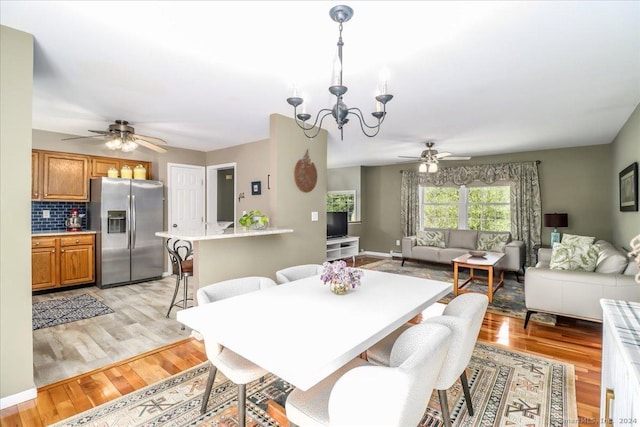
[485,208]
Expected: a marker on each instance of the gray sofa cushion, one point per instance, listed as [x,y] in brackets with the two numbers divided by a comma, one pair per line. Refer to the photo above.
[463,239]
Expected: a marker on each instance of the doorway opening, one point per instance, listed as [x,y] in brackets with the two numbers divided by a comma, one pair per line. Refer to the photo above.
[221,191]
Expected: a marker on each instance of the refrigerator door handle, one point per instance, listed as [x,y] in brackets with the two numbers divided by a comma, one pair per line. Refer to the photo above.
[133,221]
[128,222]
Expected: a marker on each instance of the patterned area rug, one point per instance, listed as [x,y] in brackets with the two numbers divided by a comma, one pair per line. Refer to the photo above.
[508,388]
[64,310]
[508,300]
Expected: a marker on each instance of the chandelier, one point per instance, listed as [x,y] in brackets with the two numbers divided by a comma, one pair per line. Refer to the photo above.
[121,141]
[340,111]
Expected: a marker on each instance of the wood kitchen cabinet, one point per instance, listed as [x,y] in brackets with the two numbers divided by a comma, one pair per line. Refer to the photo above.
[62,261]
[100,165]
[65,177]
[35,175]
[44,263]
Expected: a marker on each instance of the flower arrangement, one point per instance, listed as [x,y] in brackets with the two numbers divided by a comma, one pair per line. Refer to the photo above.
[337,273]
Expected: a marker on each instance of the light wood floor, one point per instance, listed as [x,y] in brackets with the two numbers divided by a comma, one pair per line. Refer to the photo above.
[572,341]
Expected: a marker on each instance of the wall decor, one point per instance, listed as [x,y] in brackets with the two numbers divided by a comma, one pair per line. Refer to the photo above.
[305,173]
[629,188]
[256,188]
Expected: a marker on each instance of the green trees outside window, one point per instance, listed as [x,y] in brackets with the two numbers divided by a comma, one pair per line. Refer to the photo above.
[474,208]
[342,201]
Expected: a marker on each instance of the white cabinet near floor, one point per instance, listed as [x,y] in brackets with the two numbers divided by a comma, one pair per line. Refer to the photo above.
[342,247]
[620,385]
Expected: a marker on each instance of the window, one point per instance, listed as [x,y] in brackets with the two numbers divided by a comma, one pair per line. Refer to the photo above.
[342,201]
[474,208]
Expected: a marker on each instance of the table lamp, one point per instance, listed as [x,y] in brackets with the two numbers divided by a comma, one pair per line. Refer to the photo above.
[556,220]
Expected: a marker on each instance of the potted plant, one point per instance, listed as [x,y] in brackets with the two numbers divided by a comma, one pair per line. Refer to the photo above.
[340,277]
[254,219]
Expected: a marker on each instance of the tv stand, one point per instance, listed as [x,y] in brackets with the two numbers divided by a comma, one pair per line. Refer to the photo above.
[343,247]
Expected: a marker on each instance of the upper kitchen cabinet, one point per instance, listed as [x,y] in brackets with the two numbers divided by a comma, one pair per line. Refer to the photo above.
[100,165]
[35,175]
[65,177]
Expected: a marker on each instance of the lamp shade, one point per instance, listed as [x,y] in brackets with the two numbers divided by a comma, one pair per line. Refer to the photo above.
[556,220]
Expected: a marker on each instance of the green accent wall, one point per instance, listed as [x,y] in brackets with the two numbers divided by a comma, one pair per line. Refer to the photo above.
[625,150]
[572,180]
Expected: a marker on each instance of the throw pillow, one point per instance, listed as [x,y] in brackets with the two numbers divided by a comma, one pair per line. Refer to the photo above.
[493,242]
[573,257]
[610,260]
[430,238]
[574,239]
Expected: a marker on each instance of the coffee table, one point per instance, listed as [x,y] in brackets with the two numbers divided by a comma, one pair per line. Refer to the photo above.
[487,263]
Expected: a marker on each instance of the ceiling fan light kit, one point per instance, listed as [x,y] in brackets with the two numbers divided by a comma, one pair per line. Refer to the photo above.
[340,111]
[121,136]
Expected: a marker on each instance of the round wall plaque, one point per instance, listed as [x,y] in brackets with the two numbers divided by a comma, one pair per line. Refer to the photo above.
[305,173]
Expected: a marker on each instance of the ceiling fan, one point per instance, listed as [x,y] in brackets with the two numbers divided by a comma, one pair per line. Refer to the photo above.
[429,158]
[121,136]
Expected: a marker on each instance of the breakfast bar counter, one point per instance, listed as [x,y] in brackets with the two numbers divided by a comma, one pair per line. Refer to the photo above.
[233,253]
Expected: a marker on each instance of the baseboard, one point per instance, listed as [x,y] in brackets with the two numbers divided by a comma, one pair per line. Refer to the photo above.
[14,399]
[380,254]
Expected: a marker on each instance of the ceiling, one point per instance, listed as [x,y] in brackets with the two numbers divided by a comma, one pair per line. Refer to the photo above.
[478,78]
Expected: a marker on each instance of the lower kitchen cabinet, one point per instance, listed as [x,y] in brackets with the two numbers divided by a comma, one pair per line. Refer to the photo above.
[62,261]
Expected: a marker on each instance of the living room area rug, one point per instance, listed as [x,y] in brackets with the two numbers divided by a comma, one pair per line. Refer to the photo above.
[508,388]
[508,300]
[58,311]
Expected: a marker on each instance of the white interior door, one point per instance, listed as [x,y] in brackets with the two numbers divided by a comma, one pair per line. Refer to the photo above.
[186,198]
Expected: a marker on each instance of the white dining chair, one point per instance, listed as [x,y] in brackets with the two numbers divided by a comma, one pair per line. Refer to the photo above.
[297,272]
[235,367]
[463,316]
[361,394]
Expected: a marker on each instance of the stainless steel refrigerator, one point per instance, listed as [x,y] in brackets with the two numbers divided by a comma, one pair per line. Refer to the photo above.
[126,214]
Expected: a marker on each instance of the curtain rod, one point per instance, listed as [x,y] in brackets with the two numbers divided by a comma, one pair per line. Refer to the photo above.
[537,163]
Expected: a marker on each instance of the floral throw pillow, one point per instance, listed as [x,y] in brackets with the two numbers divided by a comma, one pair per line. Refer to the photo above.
[493,242]
[430,238]
[574,239]
[573,257]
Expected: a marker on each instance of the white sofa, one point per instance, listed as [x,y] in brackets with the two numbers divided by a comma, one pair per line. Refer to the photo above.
[577,293]
[459,242]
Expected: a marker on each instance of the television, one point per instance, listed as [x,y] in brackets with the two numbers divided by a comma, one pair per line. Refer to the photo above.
[337,223]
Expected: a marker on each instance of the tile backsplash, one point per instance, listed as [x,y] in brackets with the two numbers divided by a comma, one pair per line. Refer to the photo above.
[58,212]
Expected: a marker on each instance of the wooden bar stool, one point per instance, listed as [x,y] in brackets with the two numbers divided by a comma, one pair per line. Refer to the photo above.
[181,254]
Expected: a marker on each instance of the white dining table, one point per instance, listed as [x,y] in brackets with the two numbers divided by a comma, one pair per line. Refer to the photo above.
[302,332]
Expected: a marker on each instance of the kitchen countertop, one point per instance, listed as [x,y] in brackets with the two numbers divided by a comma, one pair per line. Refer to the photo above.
[62,232]
[227,234]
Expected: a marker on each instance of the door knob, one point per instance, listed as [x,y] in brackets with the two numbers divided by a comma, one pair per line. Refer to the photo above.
[175,225]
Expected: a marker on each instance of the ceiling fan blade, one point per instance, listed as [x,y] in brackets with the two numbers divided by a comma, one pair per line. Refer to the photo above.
[82,137]
[103,132]
[150,146]
[410,157]
[441,155]
[151,139]
[456,158]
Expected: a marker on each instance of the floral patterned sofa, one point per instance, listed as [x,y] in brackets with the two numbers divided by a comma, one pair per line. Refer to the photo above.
[441,245]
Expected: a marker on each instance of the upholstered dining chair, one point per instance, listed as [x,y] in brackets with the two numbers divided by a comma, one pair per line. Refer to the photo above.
[463,316]
[235,367]
[297,272]
[360,394]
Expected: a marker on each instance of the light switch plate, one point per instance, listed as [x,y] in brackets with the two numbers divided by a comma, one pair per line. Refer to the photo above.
[46,213]
[314,216]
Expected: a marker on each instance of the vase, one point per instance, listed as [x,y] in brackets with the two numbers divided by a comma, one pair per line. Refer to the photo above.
[339,288]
